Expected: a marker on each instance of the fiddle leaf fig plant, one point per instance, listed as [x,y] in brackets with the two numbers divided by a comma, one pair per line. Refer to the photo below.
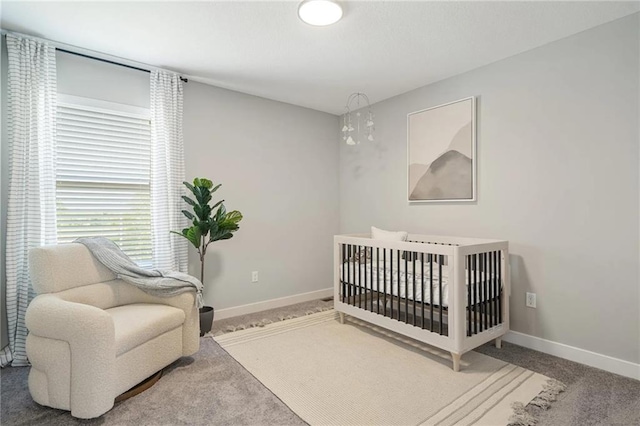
[207,223]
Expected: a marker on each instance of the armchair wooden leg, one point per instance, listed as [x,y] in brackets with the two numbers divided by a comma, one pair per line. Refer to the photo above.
[499,342]
[140,387]
[341,317]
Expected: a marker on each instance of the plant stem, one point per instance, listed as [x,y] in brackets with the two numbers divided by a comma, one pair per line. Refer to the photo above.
[202,269]
[203,251]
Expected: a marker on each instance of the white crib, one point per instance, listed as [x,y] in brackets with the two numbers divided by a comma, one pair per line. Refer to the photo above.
[449,292]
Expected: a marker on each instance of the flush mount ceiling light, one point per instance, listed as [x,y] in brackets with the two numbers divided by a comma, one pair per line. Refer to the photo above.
[320,12]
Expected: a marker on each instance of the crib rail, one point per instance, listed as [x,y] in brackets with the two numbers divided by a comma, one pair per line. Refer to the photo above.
[384,281]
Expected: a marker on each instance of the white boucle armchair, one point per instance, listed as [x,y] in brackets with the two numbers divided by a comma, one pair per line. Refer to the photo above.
[92,336]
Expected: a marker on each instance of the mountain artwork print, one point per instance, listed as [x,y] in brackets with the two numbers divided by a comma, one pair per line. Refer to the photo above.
[441,158]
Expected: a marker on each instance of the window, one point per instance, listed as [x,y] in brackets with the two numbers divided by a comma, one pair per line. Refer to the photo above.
[103,173]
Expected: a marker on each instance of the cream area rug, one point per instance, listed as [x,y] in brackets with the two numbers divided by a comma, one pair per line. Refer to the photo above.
[357,374]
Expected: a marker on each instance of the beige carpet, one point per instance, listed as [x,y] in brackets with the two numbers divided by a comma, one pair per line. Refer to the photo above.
[334,374]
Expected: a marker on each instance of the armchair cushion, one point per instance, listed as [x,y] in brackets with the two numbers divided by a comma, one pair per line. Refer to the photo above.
[138,323]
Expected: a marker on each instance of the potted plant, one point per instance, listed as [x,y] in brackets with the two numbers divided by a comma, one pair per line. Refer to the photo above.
[207,225]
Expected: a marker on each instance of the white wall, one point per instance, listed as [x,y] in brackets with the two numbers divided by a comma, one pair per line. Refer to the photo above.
[278,165]
[558,161]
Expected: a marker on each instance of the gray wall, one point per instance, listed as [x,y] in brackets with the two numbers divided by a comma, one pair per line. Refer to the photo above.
[89,78]
[558,164]
[278,165]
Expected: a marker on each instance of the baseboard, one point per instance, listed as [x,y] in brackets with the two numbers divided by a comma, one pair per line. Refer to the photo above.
[272,304]
[582,356]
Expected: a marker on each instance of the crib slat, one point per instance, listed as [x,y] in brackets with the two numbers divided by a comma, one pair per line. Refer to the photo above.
[500,287]
[440,260]
[489,290]
[398,274]
[342,249]
[483,291]
[377,280]
[369,268]
[468,287]
[363,280]
[413,261]
[384,276]
[494,281]
[482,296]
[391,283]
[475,294]
[486,290]
[496,286]
[422,277]
[406,288]
[370,282]
[490,286]
[431,292]
[349,274]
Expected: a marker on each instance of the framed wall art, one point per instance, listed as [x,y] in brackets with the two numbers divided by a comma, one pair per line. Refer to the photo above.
[441,153]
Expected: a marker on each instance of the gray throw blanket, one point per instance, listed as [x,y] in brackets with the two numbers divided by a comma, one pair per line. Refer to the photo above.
[152,281]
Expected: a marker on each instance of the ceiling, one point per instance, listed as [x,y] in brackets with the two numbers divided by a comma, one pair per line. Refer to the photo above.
[382,48]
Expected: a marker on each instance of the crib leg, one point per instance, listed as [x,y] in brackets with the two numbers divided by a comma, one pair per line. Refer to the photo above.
[499,342]
[341,317]
[456,361]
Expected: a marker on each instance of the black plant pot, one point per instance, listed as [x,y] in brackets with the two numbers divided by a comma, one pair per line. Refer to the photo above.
[206,319]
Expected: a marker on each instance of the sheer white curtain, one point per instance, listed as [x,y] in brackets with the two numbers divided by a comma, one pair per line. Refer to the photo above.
[167,172]
[31,208]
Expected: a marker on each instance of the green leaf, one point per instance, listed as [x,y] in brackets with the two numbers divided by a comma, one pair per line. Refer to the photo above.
[216,188]
[206,183]
[194,236]
[188,214]
[188,200]
[222,211]
[217,204]
[189,186]
[233,217]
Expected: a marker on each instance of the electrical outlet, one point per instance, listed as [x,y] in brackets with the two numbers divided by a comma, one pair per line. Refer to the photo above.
[531,300]
[254,277]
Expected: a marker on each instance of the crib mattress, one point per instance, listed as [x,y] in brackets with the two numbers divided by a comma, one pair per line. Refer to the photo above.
[398,275]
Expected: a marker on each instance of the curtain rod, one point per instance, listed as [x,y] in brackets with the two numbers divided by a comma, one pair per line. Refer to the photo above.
[186,80]
[66,48]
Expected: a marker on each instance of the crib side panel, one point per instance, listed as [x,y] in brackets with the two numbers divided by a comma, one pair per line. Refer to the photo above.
[487,289]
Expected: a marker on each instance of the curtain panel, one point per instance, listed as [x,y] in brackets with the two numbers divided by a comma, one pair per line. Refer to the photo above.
[31,207]
[167,173]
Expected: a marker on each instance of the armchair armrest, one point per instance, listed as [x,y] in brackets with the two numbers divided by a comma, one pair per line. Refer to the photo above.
[89,331]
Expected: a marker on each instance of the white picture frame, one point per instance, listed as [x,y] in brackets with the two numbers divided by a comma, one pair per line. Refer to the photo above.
[441,153]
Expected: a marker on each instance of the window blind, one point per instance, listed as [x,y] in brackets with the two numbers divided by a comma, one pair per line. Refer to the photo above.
[102,177]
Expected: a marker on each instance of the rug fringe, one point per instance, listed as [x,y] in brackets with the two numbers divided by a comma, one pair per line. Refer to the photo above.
[266,321]
[550,391]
